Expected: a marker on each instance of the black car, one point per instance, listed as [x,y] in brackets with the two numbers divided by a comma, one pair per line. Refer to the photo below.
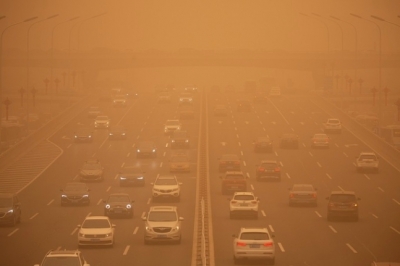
[146,149]
[117,132]
[179,139]
[75,193]
[342,204]
[263,144]
[118,204]
[268,170]
[290,141]
[91,170]
[83,134]
[10,209]
[131,175]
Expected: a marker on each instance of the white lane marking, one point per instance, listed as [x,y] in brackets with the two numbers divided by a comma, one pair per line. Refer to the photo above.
[317,213]
[340,188]
[141,130]
[264,129]
[367,177]
[244,163]
[73,232]
[101,145]
[304,145]
[248,175]
[94,154]
[263,213]
[301,123]
[337,146]
[260,122]
[50,202]
[33,216]
[310,153]
[235,128]
[137,137]
[276,153]
[267,112]
[252,187]
[223,143]
[148,201]
[116,176]
[374,215]
[328,176]
[281,247]
[288,176]
[13,232]
[161,164]
[133,145]
[319,164]
[345,154]
[333,229]
[76,176]
[351,248]
[88,214]
[398,203]
[128,154]
[164,153]
[397,231]
[166,145]
[381,189]
[241,152]
[135,231]
[126,250]
[69,146]
[234,121]
[273,122]
[237,135]
[108,189]
[100,200]
[122,165]
[143,214]
[271,228]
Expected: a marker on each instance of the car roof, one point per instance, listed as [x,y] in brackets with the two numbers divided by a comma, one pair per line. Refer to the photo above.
[229,156]
[269,161]
[63,253]
[163,208]
[92,161]
[243,193]
[234,173]
[253,229]
[340,192]
[367,153]
[98,217]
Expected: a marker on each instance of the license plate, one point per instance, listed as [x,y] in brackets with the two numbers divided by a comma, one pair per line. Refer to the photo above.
[244,204]
[254,246]
[118,211]
[94,239]
[161,236]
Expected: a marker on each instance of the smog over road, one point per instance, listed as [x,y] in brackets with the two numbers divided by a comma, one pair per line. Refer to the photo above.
[200,133]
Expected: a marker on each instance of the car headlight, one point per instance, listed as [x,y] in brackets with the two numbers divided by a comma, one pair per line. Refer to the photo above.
[110,134]
[81,235]
[128,206]
[123,133]
[76,136]
[138,150]
[186,140]
[173,140]
[109,234]
[63,196]
[10,212]
[154,150]
[85,196]
[108,206]
[149,229]
[174,229]
[90,136]
[140,177]
[122,178]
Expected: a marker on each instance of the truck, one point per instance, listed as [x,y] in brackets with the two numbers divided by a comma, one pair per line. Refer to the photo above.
[391,134]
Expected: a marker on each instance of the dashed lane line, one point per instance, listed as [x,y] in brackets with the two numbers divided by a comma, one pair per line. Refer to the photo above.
[149,201]
[50,202]
[136,230]
[318,214]
[381,189]
[263,213]
[397,231]
[100,200]
[244,163]
[351,248]
[310,154]
[126,250]
[345,154]
[116,176]
[288,176]
[333,229]
[252,187]
[367,177]
[398,203]
[33,216]
[319,164]
[73,231]
[374,215]
[108,189]
[281,247]
[271,228]
[340,188]
[13,232]
[328,176]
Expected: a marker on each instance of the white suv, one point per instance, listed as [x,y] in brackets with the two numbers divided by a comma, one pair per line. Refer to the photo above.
[171,126]
[162,224]
[166,186]
[333,125]
[367,161]
[102,121]
[67,257]
[96,230]
[243,204]
[253,244]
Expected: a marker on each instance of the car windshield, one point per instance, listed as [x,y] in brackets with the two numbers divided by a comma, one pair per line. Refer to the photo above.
[5,202]
[244,197]
[118,198]
[62,261]
[302,188]
[172,122]
[254,236]
[269,165]
[75,187]
[320,136]
[165,216]
[96,223]
[333,121]
[165,181]
[179,134]
[343,198]
[234,177]
[91,166]
[102,118]
[133,170]
[367,157]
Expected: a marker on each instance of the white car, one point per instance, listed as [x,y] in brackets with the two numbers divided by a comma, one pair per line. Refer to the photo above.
[119,100]
[166,186]
[253,243]
[96,230]
[367,161]
[171,126]
[243,204]
[68,257]
[102,121]
[186,98]
[333,125]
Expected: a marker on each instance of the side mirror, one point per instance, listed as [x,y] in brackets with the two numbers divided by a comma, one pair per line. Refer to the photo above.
[234,235]
[180,183]
[181,219]
[113,225]
[79,226]
[144,218]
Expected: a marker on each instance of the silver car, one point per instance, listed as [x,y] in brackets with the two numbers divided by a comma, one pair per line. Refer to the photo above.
[367,161]
[302,194]
[243,204]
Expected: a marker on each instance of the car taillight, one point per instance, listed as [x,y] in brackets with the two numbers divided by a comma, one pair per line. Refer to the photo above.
[240,244]
[268,244]
[314,195]
[291,195]
[261,169]
[222,162]
[327,140]
[254,201]
[233,201]
[277,169]
[237,162]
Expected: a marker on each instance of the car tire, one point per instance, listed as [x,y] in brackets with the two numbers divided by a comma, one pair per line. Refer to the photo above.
[272,261]
[231,216]
[236,261]
[178,242]
[19,218]
[14,221]
[146,242]
[355,219]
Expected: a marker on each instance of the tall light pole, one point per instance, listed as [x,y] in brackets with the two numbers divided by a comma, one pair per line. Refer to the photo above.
[69,56]
[1,66]
[383,20]
[27,66]
[52,50]
[379,66]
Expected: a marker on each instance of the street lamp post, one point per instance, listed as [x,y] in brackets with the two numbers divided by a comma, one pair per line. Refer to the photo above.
[69,57]
[1,66]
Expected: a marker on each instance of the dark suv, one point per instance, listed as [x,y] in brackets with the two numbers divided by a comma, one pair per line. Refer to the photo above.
[233,181]
[118,204]
[268,169]
[10,209]
[342,204]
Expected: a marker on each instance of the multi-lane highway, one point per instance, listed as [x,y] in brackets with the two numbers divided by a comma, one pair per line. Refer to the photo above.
[303,236]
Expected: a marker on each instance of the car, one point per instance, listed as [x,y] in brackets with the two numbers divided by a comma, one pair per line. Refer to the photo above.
[191,88]
[171,125]
[289,140]
[233,181]
[83,134]
[117,132]
[333,125]
[164,97]
[275,92]
[119,100]
[367,161]
[146,149]
[268,170]
[244,106]
[118,204]
[320,140]
[102,121]
[94,111]
[75,193]
[10,209]
[179,162]
[131,175]
[302,194]
[163,224]
[186,112]
[179,139]
[263,144]
[91,170]
[63,257]
[243,204]
[96,230]
[342,204]
[220,110]
[186,99]
[166,187]
[253,243]
[229,162]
